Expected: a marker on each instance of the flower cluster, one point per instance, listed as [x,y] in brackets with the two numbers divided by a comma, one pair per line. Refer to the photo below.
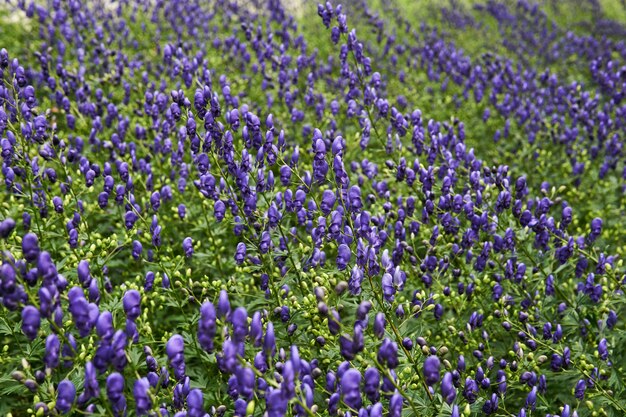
[217,208]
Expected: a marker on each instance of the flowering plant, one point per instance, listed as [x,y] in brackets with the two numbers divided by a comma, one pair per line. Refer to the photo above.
[219,209]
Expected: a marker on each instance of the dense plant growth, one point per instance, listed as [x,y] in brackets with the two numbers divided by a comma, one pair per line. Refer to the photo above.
[368,209]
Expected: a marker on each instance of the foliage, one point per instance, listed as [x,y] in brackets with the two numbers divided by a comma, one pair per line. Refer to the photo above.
[374,208]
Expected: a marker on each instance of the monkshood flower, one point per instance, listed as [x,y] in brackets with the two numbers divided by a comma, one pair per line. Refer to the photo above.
[137,249]
[596,230]
[215,141]
[431,370]
[30,247]
[395,405]
[356,278]
[207,326]
[117,350]
[448,391]
[328,202]
[239,320]
[491,405]
[131,331]
[30,322]
[115,393]
[223,305]
[149,282]
[240,254]
[69,350]
[104,326]
[188,247]
[53,347]
[91,387]
[371,385]
[84,314]
[66,393]
[388,355]
[579,391]
[531,399]
[611,320]
[603,349]
[6,227]
[195,403]
[334,322]
[256,329]
[470,390]
[269,341]
[141,394]
[245,382]
[350,388]
[343,256]
[131,302]
[379,325]
[276,403]
[175,349]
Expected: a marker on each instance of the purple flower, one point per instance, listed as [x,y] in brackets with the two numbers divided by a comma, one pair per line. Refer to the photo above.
[188,247]
[207,326]
[219,210]
[155,200]
[53,347]
[328,202]
[343,256]
[531,399]
[91,387]
[66,392]
[470,391]
[372,384]
[239,319]
[175,352]
[350,388]
[245,382]
[276,403]
[269,342]
[596,229]
[149,282]
[395,405]
[143,403]
[30,322]
[6,226]
[240,254]
[448,391]
[137,249]
[131,302]
[223,304]
[491,406]
[388,354]
[30,247]
[104,326]
[131,331]
[69,350]
[57,202]
[195,403]
[115,392]
[431,370]
[579,391]
[129,219]
[603,349]
[611,320]
[256,329]
[356,278]
[118,350]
